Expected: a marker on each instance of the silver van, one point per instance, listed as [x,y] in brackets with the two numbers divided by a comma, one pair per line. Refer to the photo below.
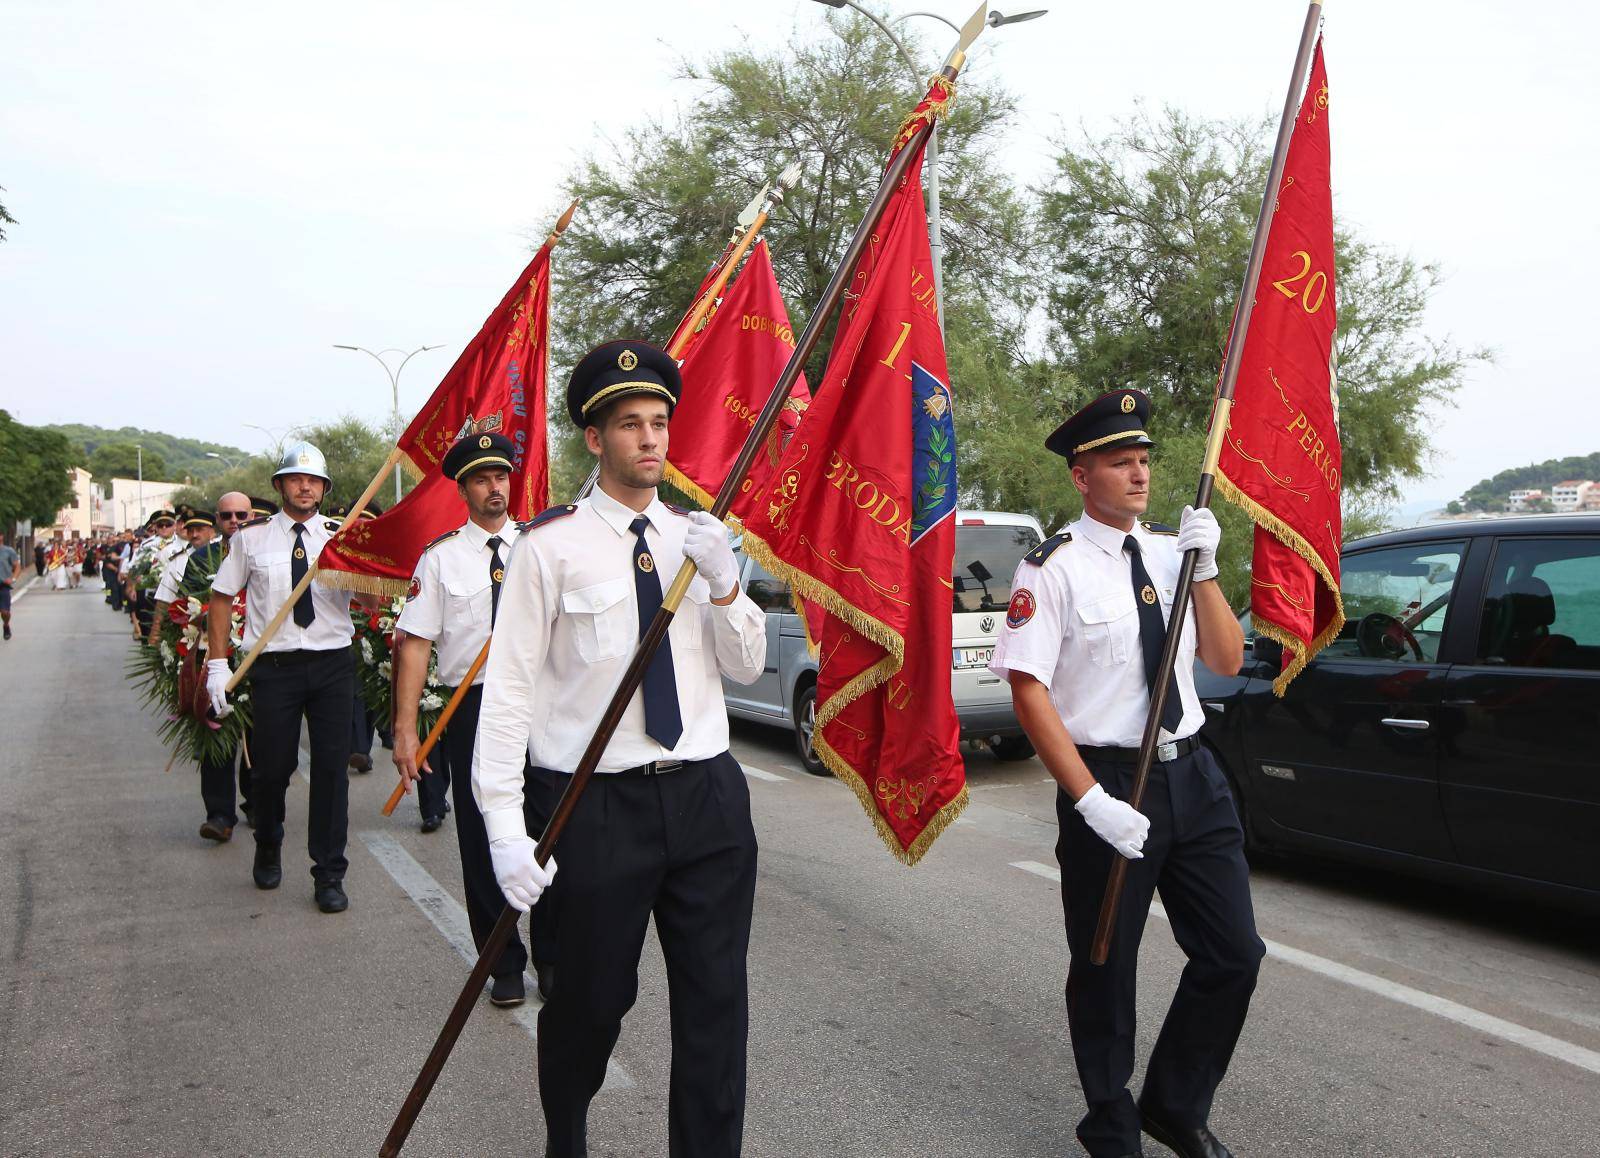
[989,544]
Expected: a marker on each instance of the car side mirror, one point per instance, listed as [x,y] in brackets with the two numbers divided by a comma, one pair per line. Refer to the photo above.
[1267,651]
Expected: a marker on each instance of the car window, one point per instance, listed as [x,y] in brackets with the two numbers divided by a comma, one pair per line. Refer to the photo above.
[1395,602]
[767,591]
[1543,606]
[986,559]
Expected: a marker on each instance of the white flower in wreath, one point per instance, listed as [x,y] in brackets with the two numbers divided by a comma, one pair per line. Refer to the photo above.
[169,659]
[366,651]
[192,606]
[384,669]
[431,702]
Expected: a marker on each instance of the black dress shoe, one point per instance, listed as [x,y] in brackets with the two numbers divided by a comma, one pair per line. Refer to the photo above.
[361,762]
[1188,1141]
[431,823]
[268,869]
[546,974]
[331,898]
[217,829]
[507,991]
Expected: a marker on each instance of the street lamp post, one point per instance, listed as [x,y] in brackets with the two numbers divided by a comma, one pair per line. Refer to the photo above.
[139,446]
[935,222]
[394,386]
[224,459]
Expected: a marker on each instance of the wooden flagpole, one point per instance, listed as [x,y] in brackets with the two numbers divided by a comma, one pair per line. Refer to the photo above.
[634,675]
[1219,427]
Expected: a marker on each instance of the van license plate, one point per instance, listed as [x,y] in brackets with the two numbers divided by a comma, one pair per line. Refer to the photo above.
[973,656]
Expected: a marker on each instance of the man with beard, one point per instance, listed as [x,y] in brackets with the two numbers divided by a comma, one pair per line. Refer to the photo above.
[451,604]
[306,671]
[665,830]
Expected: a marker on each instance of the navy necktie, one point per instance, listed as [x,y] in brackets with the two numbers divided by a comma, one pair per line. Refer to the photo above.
[304,611]
[662,720]
[1153,636]
[497,573]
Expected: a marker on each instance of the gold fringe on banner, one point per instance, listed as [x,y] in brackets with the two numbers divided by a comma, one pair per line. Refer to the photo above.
[362,584]
[937,109]
[803,586]
[1303,650]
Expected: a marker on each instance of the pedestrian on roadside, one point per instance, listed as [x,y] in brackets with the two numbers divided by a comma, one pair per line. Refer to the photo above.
[305,672]
[1081,643]
[10,571]
[664,830]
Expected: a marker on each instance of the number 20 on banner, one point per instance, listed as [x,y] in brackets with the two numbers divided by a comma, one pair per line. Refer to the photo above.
[1310,295]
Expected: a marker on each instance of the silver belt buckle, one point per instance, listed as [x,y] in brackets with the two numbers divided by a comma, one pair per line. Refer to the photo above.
[657,767]
[1166,753]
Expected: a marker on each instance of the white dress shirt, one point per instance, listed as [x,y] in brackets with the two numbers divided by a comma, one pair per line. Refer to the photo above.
[1074,626]
[260,556]
[451,600]
[171,576]
[567,627]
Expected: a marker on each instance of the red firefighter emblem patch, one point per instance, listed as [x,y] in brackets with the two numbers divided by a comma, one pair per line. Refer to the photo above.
[416,589]
[1021,608]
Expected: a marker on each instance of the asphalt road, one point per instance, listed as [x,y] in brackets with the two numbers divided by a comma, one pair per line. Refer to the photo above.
[154,1002]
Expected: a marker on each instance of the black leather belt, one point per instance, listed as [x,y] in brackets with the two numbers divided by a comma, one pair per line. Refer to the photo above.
[657,768]
[300,655]
[1165,753]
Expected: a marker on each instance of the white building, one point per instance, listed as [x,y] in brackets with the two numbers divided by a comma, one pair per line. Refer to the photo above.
[129,502]
[77,520]
[1570,495]
[1521,500]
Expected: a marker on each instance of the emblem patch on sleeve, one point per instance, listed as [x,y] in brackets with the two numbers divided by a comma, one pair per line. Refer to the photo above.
[414,590]
[1021,608]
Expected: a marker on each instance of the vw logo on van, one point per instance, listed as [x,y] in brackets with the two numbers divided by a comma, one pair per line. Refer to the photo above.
[986,624]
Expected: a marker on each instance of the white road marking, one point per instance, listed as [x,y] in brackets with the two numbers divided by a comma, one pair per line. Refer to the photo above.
[16,596]
[450,919]
[1555,1047]
[755,773]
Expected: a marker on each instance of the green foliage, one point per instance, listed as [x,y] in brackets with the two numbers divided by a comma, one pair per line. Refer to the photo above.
[112,460]
[1491,493]
[183,457]
[5,218]
[34,461]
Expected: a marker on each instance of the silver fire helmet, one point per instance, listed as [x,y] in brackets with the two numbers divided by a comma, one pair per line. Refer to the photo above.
[303,458]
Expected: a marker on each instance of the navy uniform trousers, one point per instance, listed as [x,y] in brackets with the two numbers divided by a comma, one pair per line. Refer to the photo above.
[484,898]
[679,847]
[1193,857]
[316,685]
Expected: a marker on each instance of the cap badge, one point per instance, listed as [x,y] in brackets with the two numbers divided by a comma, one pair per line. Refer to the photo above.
[1148,594]
[1127,404]
[627,360]
[485,442]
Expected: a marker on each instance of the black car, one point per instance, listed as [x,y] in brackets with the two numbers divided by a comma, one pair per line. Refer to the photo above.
[1451,729]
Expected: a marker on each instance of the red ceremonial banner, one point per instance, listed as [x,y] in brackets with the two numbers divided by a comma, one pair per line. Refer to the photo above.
[689,339]
[496,385]
[859,518]
[728,375]
[1280,458]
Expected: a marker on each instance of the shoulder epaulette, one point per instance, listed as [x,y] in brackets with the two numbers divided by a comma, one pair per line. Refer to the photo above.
[677,510]
[548,515]
[450,534]
[331,525]
[258,521]
[1159,528]
[1044,550]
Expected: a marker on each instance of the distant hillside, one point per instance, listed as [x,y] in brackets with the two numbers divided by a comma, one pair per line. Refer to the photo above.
[184,456]
[1490,494]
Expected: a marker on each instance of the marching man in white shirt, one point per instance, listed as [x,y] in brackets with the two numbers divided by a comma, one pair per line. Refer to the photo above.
[664,828]
[307,671]
[1084,631]
[451,604]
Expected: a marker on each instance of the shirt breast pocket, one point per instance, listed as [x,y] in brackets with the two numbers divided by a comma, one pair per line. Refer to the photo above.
[689,625]
[466,602]
[1110,628]
[275,565]
[603,621]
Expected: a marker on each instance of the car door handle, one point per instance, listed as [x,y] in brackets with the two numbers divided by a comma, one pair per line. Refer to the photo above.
[1411,725]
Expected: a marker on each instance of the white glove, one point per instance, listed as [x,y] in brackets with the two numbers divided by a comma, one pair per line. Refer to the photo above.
[706,544]
[217,686]
[518,873]
[1114,821]
[1199,531]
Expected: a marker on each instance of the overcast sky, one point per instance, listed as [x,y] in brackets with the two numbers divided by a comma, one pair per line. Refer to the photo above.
[210,195]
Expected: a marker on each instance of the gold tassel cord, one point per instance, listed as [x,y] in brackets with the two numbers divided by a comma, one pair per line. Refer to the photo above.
[1302,650]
